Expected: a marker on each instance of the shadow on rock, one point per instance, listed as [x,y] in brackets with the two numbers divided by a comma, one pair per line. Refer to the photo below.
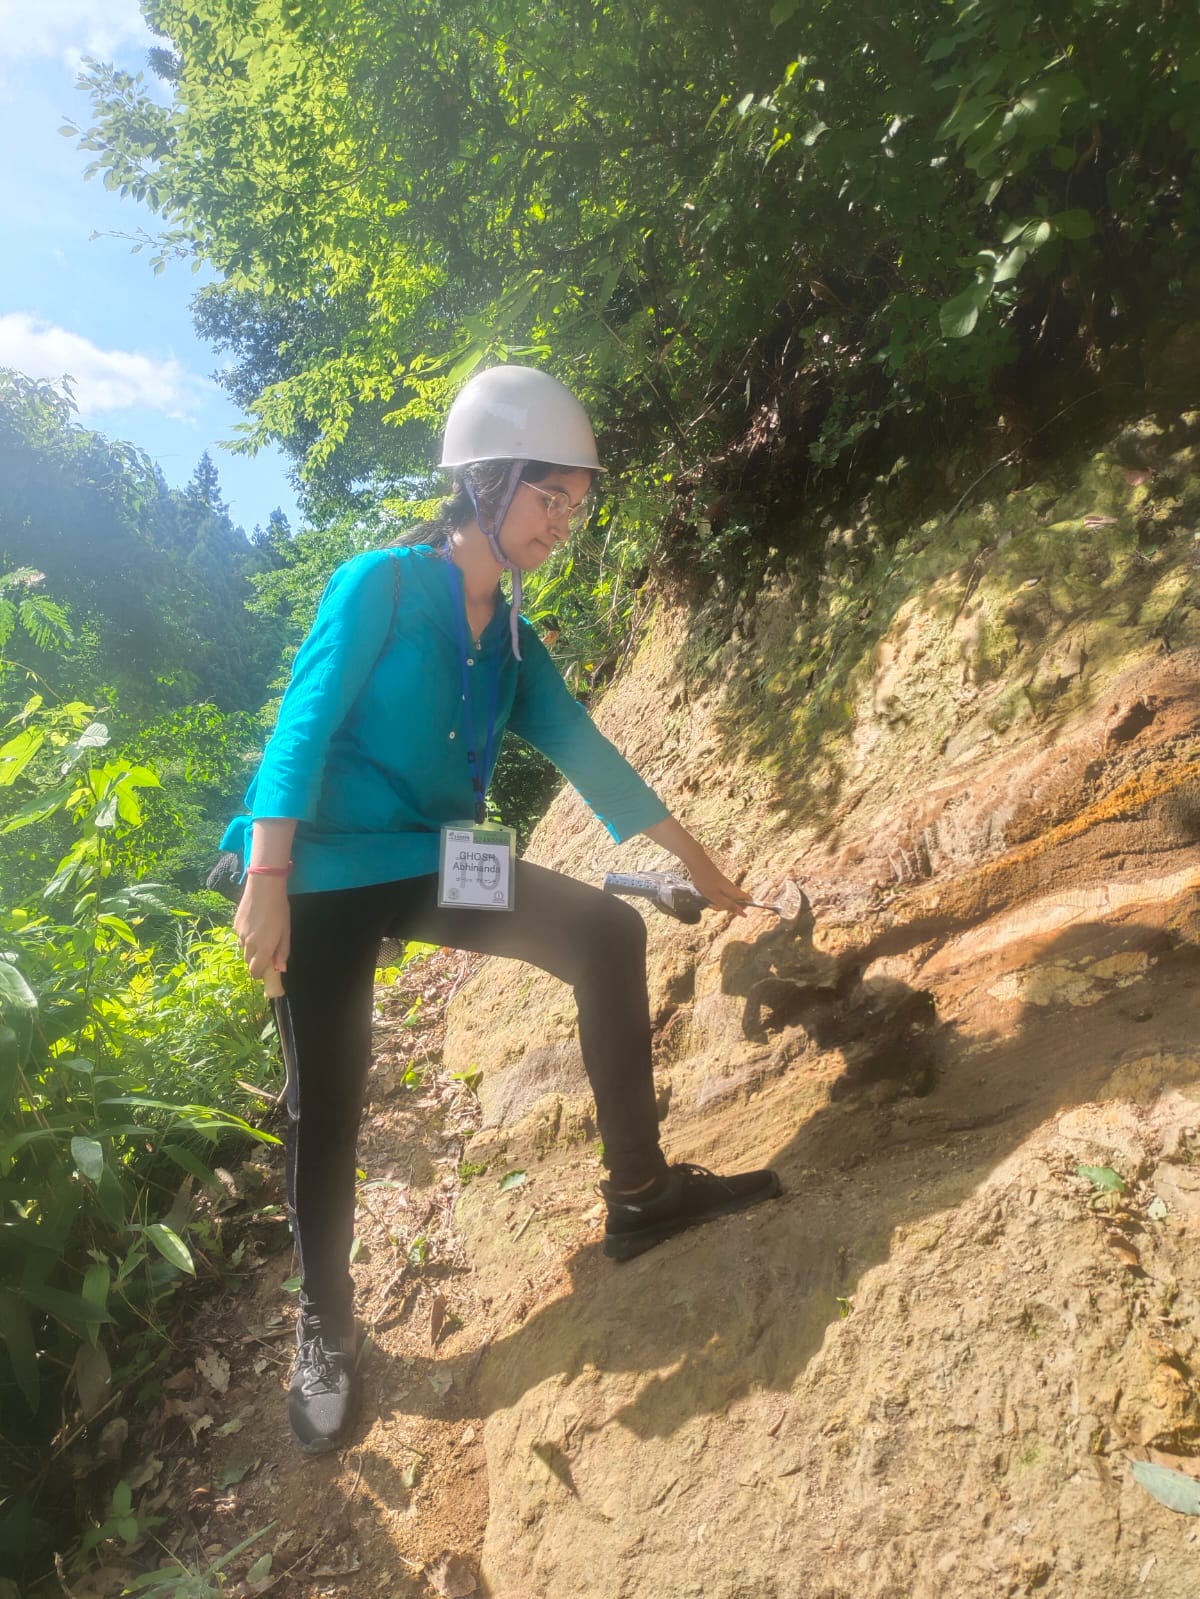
[745,1303]
[885,1030]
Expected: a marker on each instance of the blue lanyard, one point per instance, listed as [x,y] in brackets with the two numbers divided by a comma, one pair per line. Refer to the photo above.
[478,774]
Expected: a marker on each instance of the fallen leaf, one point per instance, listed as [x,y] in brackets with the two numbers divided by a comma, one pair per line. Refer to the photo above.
[511,1180]
[1124,1251]
[144,1474]
[341,1563]
[112,1438]
[93,1378]
[181,1206]
[258,1578]
[190,1410]
[1103,1178]
[437,1319]
[453,1577]
[214,1369]
[228,1182]
[1175,1489]
[232,1473]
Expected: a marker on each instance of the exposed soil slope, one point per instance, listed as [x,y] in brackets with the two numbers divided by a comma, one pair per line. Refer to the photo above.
[924,1371]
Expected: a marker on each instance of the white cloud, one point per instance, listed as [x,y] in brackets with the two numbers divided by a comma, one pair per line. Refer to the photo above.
[70,29]
[103,380]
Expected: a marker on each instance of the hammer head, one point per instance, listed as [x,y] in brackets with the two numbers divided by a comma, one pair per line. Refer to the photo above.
[792,902]
[792,907]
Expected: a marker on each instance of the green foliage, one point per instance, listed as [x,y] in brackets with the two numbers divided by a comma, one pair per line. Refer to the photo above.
[1178,1490]
[175,1580]
[44,622]
[122,1522]
[148,615]
[125,1028]
[1103,1179]
[789,232]
[149,586]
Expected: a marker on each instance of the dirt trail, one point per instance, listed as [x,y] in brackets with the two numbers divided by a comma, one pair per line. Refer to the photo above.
[402,1511]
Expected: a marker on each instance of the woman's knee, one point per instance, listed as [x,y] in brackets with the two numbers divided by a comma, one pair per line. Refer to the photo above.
[616,933]
[626,922]
[574,930]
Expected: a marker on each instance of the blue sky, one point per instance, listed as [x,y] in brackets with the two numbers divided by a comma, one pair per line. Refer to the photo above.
[71,304]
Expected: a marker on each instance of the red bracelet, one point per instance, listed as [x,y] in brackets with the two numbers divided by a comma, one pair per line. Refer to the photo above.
[268,871]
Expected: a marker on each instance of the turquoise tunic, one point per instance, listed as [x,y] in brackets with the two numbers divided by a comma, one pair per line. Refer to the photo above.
[370,750]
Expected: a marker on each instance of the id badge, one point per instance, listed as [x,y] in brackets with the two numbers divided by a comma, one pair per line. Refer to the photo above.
[475,870]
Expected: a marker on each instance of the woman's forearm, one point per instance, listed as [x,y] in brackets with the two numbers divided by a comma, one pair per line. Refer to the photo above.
[263,919]
[707,876]
[271,841]
[672,835]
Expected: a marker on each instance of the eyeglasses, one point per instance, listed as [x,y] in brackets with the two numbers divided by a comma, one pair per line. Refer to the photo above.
[559,506]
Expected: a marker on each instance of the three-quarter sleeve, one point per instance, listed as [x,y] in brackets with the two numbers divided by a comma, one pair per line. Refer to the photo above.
[331,666]
[546,715]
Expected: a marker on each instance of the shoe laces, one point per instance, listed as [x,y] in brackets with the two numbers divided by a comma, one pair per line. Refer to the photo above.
[317,1366]
[688,1170]
[699,1174]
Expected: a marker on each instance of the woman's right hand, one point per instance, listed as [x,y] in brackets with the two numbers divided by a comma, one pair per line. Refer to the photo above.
[263,924]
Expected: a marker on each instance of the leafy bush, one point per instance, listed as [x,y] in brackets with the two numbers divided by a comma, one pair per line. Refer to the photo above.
[119,1061]
[787,230]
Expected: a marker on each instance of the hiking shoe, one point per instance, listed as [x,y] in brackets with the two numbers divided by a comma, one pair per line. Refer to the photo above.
[684,1196]
[323,1399]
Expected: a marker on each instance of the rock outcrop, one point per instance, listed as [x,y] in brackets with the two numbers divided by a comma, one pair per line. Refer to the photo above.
[925,1370]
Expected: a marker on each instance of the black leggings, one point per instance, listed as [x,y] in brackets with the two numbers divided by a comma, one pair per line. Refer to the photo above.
[588,939]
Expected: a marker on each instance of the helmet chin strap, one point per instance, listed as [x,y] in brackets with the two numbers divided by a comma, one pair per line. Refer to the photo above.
[491,531]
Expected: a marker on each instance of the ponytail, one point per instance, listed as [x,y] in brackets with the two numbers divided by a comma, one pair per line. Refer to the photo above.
[455,511]
[489,480]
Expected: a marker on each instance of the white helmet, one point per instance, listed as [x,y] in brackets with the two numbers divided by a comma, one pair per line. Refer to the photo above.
[516,413]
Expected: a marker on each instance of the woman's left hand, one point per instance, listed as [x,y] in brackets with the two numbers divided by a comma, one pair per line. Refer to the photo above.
[707,876]
[721,894]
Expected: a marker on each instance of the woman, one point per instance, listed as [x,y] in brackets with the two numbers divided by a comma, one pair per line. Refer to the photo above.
[367,821]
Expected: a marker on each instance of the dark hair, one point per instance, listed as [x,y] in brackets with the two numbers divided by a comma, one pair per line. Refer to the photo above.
[488,479]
